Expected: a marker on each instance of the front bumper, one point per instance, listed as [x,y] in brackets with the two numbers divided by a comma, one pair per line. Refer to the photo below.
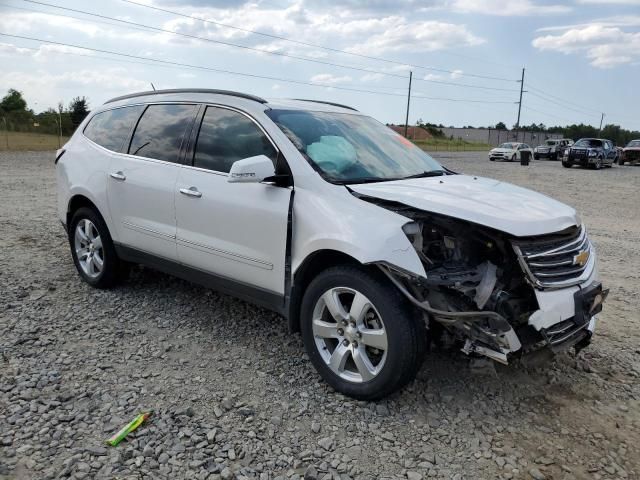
[566,318]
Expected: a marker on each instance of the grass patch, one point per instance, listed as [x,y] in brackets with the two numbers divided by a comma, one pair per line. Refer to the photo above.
[21,141]
[448,145]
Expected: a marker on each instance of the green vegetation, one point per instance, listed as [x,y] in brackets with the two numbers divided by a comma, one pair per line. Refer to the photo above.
[20,141]
[618,135]
[22,129]
[443,144]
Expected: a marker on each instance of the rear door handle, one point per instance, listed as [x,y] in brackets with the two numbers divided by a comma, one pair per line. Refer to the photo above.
[191,192]
[118,176]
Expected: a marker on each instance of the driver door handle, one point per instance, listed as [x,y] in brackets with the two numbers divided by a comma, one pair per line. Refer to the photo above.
[118,176]
[191,192]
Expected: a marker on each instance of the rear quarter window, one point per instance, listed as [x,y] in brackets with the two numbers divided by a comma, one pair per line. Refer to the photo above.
[110,129]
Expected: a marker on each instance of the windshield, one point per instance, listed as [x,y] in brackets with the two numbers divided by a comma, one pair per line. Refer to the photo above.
[550,142]
[347,148]
[634,143]
[509,146]
[589,142]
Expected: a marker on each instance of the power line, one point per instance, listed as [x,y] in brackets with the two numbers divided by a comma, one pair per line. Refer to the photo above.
[527,107]
[244,74]
[555,102]
[150,63]
[315,45]
[218,42]
[561,100]
[137,25]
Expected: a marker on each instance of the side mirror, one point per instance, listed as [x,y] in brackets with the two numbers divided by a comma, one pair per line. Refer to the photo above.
[251,170]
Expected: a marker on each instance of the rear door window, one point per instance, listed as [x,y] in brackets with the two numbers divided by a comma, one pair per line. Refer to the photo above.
[227,136]
[111,129]
[161,131]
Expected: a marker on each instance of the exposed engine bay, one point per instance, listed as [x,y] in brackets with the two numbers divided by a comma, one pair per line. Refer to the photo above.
[475,291]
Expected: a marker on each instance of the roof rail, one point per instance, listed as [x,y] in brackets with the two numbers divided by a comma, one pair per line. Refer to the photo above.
[326,103]
[189,90]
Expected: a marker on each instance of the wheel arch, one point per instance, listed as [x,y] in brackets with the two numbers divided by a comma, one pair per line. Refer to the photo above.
[312,265]
[78,201]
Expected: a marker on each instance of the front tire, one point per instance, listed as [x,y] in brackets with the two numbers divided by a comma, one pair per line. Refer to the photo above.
[361,335]
[567,164]
[92,249]
[598,164]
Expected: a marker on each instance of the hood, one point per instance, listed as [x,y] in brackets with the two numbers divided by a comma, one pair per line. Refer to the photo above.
[631,149]
[502,150]
[498,205]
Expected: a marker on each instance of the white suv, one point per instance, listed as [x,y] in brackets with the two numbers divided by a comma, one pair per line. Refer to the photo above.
[361,240]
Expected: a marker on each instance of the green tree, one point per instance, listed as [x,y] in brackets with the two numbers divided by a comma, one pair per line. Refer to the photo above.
[501,126]
[78,110]
[13,102]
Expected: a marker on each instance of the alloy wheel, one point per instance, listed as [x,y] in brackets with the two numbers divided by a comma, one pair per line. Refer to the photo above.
[349,334]
[88,247]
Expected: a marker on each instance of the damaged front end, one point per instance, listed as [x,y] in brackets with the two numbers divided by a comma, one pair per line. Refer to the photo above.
[480,287]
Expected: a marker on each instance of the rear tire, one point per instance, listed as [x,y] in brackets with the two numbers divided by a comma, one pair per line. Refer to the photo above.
[362,336]
[92,249]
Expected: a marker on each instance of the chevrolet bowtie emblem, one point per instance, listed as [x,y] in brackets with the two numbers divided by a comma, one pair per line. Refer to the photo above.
[581,258]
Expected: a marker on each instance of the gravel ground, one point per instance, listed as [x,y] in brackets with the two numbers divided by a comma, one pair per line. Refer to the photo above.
[234,395]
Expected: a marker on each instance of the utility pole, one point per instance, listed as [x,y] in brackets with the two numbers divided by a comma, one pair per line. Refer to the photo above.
[406,121]
[60,125]
[6,131]
[520,103]
[600,129]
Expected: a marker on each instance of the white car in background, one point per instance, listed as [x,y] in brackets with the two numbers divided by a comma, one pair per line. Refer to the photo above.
[509,152]
[358,238]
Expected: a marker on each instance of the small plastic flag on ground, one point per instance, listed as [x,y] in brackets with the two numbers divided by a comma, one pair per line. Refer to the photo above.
[127,429]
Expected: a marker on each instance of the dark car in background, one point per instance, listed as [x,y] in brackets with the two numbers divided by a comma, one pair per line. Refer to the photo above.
[552,149]
[630,153]
[591,152]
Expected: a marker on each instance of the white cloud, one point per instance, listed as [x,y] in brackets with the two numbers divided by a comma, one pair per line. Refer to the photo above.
[507,8]
[340,28]
[47,87]
[43,52]
[9,49]
[615,21]
[605,47]
[610,2]
[21,23]
[455,74]
[330,79]
[396,34]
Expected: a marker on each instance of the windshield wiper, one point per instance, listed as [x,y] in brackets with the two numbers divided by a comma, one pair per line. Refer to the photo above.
[425,174]
[365,180]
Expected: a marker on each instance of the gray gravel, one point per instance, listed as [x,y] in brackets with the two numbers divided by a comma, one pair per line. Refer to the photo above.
[234,395]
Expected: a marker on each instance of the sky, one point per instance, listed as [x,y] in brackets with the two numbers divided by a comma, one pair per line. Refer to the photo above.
[581,57]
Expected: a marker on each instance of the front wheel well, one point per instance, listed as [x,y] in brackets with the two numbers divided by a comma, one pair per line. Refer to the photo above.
[310,268]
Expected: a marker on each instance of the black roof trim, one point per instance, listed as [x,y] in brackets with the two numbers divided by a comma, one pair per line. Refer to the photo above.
[325,103]
[189,90]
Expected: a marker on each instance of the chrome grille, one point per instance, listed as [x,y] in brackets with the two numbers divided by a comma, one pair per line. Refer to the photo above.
[557,261]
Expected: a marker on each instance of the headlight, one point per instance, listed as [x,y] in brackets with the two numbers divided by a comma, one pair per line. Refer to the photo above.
[592,153]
